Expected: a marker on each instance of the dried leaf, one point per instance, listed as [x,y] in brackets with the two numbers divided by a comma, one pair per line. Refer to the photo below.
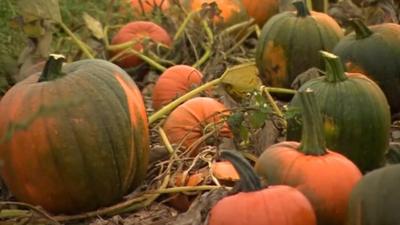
[241,79]
[94,26]
[39,9]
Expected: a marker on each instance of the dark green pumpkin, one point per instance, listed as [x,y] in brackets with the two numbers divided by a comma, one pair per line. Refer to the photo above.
[356,114]
[375,52]
[290,43]
[84,141]
[375,200]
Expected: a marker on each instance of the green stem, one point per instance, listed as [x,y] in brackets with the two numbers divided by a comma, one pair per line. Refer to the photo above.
[301,7]
[53,68]
[274,106]
[172,105]
[333,67]
[362,31]
[208,47]
[182,27]
[281,90]
[249,181]
[186,189]
[313,138]
[78,42]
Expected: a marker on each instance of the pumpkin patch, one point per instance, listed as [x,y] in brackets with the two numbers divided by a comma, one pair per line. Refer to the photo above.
[199,112]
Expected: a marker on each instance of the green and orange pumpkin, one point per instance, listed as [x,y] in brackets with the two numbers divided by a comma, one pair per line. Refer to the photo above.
[355,112]
[374,51]
[325,177]
[290,43]
[74,137]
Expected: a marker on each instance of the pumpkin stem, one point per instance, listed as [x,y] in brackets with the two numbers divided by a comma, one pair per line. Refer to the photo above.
[52,69]
[362,31]
[334,67]
[249,181]
[312,138]
[301,7]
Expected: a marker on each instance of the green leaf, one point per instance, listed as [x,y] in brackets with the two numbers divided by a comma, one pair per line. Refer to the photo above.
[241,79]
[39,9]
[94,26]
[257,119]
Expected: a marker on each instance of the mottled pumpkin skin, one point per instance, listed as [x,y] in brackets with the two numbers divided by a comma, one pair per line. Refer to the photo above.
[174,82]
[261,10]
[290,44]
[232,11]
[186,123]
[87,149]
[376,56]
[138,30]
[356,118]
[376,198]
[325,180]
[279,204]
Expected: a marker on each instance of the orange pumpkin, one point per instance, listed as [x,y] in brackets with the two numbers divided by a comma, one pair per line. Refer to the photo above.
[232,11]
[325,177]
[255,205]
[174,82]
[261,10]
[148,5]
[86,140]
[138,31]
[186,123]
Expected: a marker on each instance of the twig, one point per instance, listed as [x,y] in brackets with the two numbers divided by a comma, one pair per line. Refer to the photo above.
[186,189]
[36,209]
[81,45]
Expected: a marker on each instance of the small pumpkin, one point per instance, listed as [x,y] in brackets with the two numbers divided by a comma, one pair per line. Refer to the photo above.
[261,10]
[137,31]
[185,125]
[290,43]
[256,205]
[375,200]
[174,82]
[361,49]
[232,11]
[148,5]
[355,112]
[85,142]
[325,177]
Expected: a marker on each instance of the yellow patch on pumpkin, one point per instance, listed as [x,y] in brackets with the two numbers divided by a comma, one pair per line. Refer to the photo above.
[275,64]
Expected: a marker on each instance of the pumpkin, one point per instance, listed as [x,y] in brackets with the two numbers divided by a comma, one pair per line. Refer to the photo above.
[255,205]
[376,198]
[261,10]
[361,49]
[325,177]
[85,139]
[185,125]
[290,43]
[148,5]
[232,11]
[137,31]
[356,114]
[174,82]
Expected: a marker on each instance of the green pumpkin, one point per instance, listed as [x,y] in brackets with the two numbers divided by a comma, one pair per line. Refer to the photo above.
[82,141]
[356,114]
[375,200]
[290,43]
[375,52]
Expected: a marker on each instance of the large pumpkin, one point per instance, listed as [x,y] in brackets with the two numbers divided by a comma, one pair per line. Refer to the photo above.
[232,11]
[84,142]
[375,200]
[356,114]
[174,82]
[137,32]
[189,122]
[325,177]
[290,43]
[361,49]
[255,205]
[261,10]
